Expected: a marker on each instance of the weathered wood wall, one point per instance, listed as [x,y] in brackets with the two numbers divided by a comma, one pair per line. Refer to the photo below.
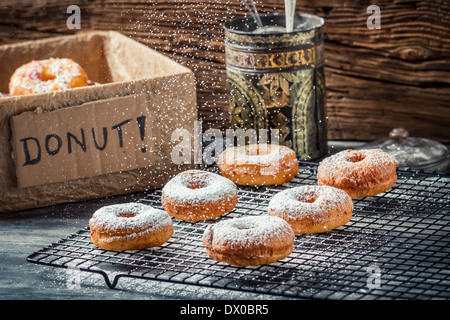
[377,79]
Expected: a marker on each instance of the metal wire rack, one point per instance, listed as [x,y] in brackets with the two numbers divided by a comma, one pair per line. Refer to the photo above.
[396,246]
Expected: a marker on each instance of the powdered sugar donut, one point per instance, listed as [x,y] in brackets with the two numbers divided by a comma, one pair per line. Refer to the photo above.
[312,209]
[259,164]
[196,195]
[130,226]
[47,75]
[360,173]
[249,241]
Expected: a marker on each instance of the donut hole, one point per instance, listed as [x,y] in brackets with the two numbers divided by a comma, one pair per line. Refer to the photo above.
[196,184]
[47,74]
[356,157]
[257,150]
[127,215]
[244,226]
[197,180]
[310,197]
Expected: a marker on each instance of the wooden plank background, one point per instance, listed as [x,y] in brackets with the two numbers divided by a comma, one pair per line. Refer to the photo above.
[395,76]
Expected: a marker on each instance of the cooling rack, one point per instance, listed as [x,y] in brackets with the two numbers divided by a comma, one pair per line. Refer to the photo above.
[396,246]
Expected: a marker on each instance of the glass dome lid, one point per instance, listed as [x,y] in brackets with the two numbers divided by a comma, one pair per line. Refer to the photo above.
[412,152]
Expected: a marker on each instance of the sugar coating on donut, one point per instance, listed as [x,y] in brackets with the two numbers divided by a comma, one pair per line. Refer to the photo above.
[249,231]
[257,154]
[194,186]
[309,201]
[130,216]
[259,164]
[341,166]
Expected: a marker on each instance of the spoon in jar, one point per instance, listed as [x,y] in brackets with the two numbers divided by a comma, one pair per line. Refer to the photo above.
[289,8]
[254,13]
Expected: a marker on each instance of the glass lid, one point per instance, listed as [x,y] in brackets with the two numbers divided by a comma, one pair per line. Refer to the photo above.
[411,152]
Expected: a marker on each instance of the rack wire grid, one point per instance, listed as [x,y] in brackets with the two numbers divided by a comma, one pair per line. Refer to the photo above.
[396,246]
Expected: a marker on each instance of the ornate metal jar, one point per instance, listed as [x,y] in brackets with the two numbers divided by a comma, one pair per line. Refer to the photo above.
[276,80]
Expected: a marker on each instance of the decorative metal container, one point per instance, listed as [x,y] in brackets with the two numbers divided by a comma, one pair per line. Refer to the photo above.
[276,80]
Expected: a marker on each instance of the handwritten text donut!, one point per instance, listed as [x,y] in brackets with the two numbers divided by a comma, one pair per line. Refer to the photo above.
[96,138]
[54,143]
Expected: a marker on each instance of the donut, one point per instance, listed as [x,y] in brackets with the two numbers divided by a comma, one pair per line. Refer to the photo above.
[130,226]
[360,173]
[258,164]
[312,209]
[195,195]
[47,75]
[249,240]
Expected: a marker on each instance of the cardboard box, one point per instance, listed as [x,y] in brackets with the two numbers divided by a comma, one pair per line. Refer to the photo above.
[101,140]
